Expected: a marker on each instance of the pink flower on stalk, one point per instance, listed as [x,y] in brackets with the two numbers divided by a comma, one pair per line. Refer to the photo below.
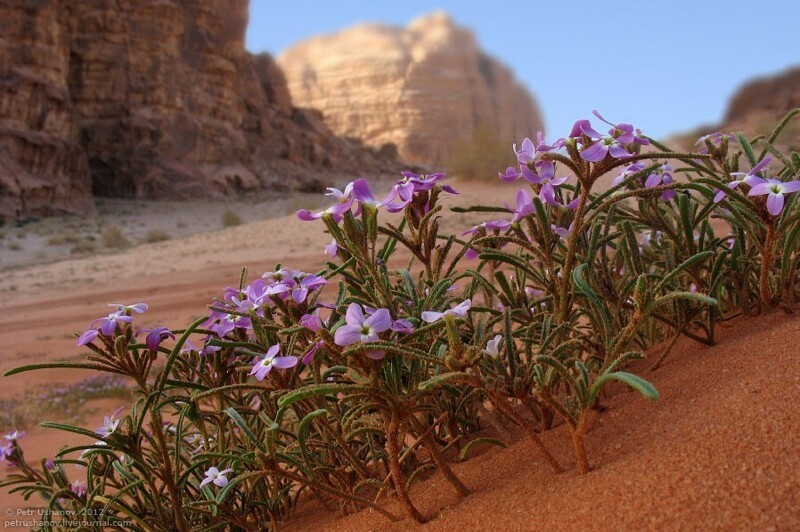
[524,205]
[344,200]
[155,336]
[500,225]
[332,249]
[264,365]
[108,324]
[662,176]
[402,193]
[458,311]
[14,435]
[750,178]
[217,477]
[78,487]
[614,144]
[110,423]
[363,329]
[774,190]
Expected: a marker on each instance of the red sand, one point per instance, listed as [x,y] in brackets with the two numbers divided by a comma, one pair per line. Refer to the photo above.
[719,450]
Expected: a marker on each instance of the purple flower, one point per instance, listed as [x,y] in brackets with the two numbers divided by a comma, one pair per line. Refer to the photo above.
[774,190]
[309,356]
[88,337]
[583,128]
[524,205]
[526,153]
[138,308]
[549,185]
[602,148]
[312,322]
[662,176]
[363,329]
[458,311]
[402,326]
[50,465]
[423,182]
[78,487]
[344,199]
[155,336]
[402,193]
[750,178]
[264,365]
[14,435]
[108,324]
[332,249]
[493,346]
[613,144]
[308,283]
[217,477]
[363,194]
[110,423]
[511,174]
[500,225]
[714,138]
[628,171]
[562,232]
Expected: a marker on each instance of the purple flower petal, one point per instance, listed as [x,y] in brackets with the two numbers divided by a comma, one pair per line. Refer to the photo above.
[347,335]
[775,203]
[380,321]
[595,153]
[284,362]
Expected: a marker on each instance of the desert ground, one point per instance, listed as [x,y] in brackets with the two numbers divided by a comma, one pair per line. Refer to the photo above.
[717,451]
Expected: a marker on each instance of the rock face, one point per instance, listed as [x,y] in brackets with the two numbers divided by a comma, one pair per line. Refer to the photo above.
[43,168]
[420,87]
[149,99]
[774,96]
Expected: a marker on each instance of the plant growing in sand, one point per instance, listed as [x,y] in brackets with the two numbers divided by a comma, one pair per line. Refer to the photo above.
[114,239]
[157,235]
[231,219]
[362,378]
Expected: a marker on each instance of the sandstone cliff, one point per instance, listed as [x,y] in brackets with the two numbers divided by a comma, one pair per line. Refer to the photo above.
[148,99]
[420,87]
[757,107]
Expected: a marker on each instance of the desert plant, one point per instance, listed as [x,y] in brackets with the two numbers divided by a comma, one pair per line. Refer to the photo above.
[231,218]
[354,381]
[114,239]
[157,235]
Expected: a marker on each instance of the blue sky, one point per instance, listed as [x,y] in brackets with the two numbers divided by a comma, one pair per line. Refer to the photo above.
[665,66]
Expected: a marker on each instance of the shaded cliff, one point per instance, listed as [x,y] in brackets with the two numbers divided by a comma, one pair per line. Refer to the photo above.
[149,99]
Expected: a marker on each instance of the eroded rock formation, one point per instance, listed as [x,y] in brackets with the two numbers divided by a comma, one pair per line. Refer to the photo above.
[756,108]
[149,99]
[419,87]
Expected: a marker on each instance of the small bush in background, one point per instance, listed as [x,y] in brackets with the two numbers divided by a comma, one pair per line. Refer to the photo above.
[230,219]
[84,245]
[113,238]
[157,235]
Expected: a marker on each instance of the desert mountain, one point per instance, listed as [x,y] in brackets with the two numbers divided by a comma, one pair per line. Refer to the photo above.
[148,99]
[420,87]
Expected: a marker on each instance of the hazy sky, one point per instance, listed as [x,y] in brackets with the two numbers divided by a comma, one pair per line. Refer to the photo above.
[666,66]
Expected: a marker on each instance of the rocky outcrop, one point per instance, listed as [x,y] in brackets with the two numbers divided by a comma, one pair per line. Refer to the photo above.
[774,96]
[420,87]
[755,109]
[149,99]
[43,168]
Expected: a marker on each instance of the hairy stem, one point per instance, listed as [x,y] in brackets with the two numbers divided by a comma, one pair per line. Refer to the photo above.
[398,478]
[767,256]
